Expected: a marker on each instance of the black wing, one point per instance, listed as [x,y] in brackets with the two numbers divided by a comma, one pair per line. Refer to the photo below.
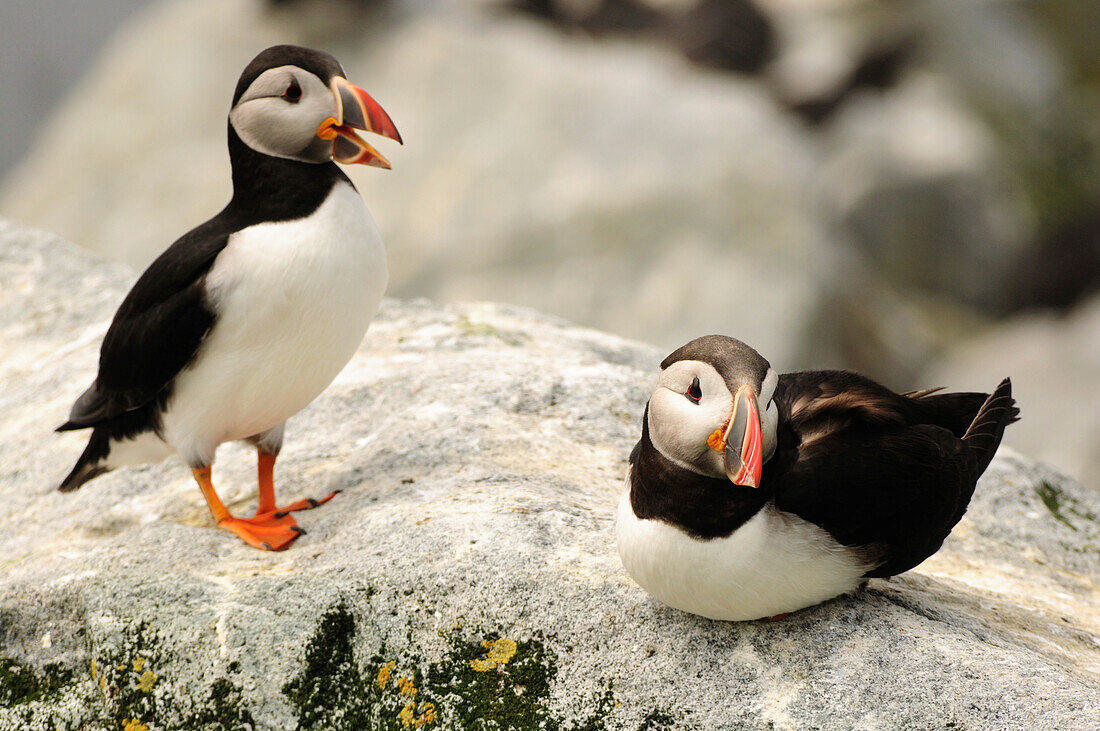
[897,491]
[872,467]
[157,329]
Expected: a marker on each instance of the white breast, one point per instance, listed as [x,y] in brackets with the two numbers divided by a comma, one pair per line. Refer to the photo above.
[294,299]
[774,563]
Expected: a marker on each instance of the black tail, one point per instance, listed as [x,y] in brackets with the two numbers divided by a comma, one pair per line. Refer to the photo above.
[90,464]
[953,411]
[985,432]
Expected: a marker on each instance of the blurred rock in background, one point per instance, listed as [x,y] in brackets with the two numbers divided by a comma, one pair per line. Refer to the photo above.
[863,184]
[45,48]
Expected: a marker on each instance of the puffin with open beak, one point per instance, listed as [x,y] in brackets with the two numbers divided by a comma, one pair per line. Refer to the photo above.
[752,494]
[246,318]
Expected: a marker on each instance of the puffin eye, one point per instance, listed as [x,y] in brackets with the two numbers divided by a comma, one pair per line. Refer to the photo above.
[694,393]
[293,92]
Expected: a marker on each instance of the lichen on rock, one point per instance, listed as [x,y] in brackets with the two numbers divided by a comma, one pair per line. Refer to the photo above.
[497,652]
[458,690]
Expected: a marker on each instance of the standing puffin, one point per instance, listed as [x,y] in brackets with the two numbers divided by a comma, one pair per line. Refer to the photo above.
[246,318]
[753,494]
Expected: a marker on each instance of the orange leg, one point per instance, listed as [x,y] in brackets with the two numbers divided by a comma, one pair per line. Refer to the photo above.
[265,474]
[776,618]
[267,532]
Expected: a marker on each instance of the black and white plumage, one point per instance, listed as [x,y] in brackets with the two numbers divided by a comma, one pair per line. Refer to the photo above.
[249,316]
[753,494]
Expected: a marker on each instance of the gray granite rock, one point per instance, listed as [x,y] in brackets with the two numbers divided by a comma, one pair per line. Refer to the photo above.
[467,578]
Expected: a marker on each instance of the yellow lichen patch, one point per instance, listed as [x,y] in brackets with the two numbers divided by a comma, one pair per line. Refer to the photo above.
[502,650]
[95,671]
[406,686]
[409,717]
[139,663]
[482,666]
[499,653]
[384,674]
[715,440]
[145,682]
[134,724]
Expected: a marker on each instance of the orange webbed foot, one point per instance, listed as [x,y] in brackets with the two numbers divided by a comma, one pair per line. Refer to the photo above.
[265,532]
[271,529]
[304,504]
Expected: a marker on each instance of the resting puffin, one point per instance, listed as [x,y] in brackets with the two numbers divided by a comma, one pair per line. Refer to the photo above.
[753,494]
[246,318]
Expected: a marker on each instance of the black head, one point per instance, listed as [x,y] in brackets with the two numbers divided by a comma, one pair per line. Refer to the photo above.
[294,103]
[705,413]
[736,362]
[322,65]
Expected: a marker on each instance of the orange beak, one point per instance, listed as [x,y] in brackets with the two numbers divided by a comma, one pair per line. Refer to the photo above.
[356,109]
[744,452]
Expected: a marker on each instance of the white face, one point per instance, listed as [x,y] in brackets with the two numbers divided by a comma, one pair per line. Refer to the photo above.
[690,403]
[280,112]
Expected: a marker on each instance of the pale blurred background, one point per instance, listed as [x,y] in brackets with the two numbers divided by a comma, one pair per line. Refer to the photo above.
[909,188]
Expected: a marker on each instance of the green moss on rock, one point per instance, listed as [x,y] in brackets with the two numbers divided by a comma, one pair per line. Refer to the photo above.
[120,687]
[476,329]
[19,684]
[330,691]
[127,677]
[658,720]
[29,699]
[490,683]
[224,710]
[1052,498]
[511,695]
[1062,506]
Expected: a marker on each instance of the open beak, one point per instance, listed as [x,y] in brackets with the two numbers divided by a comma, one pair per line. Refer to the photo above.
[744,451]
[355,109]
